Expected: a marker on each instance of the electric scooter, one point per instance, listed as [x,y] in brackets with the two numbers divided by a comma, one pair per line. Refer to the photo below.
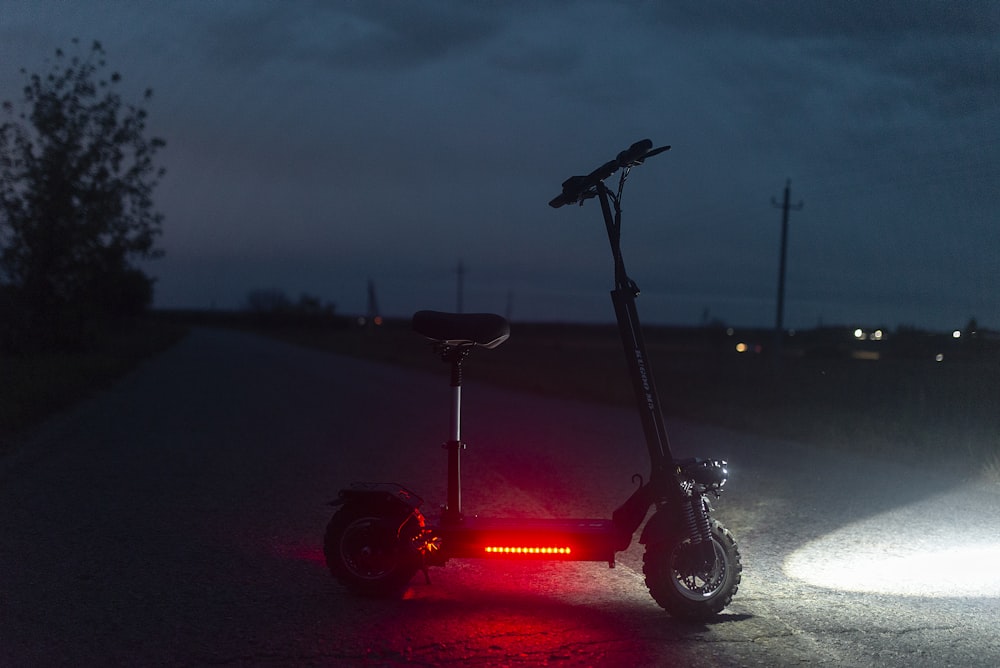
[378,538]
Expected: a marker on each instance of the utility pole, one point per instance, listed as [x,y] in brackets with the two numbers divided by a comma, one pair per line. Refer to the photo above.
[461,277]
[779,325]
[373,313]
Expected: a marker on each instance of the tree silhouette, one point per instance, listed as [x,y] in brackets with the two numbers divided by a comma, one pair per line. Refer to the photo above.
[77,175]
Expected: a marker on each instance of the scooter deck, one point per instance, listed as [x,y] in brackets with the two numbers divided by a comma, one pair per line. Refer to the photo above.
[530,538]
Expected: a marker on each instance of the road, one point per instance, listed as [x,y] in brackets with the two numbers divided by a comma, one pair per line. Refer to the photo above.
[176,520]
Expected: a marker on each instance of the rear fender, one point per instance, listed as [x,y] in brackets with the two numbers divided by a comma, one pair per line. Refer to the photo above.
[380,494]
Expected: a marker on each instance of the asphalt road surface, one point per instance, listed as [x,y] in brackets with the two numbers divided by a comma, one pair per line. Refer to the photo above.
[177,519]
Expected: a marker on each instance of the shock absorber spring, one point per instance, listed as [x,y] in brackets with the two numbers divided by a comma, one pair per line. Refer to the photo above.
[691,512]
[703,526]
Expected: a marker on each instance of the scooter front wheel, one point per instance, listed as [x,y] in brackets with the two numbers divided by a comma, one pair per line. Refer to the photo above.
[368,549]
[687,591]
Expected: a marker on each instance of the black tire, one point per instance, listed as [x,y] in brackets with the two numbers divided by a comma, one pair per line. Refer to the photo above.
[369,548]
[688,593]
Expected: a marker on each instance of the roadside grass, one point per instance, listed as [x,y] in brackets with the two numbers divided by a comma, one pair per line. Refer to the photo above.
[36,386]
[934,415]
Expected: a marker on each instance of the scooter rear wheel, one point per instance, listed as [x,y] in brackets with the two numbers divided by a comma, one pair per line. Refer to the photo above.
[368,549]
[692,592]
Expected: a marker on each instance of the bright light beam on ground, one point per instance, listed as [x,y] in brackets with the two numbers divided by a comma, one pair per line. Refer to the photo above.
[947,546]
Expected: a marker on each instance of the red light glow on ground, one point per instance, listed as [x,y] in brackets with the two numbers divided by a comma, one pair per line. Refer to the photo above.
[517,612]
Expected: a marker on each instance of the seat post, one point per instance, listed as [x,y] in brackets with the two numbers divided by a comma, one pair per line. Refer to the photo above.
[455,355]
[454,335]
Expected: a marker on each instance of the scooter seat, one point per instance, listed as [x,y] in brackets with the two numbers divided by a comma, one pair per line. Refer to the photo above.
[462,329]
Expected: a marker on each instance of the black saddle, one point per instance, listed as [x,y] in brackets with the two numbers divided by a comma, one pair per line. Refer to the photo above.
[462,329]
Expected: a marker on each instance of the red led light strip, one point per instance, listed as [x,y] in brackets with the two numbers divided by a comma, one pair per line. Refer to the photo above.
[497,549]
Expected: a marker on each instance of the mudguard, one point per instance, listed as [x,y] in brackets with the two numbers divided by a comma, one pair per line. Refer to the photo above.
[629,516]
[661,525]
[388,493]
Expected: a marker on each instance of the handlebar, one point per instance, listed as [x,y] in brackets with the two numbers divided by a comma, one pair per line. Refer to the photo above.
[578,188]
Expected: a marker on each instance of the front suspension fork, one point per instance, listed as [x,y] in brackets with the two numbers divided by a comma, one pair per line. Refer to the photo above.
[695,512]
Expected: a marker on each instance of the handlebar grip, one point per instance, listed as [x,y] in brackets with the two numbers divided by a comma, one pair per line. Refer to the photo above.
[634,153]
[560,200]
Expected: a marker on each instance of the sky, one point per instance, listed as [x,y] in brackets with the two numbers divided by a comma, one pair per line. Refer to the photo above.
[312,147]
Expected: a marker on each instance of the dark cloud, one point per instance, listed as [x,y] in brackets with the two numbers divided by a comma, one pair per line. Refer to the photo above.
[942,56]
[374,35]
[527,56]
[835,19]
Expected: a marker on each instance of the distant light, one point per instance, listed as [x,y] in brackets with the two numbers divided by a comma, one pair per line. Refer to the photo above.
[378,321]
[875,335]
[957,334]
[730,331]
[741,347]
[939,357]
[361,321]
